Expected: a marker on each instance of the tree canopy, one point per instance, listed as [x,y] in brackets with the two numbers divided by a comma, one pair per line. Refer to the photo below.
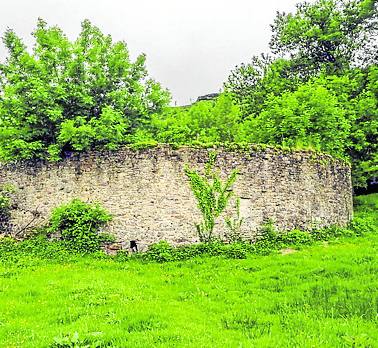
[325,35]
[67,95]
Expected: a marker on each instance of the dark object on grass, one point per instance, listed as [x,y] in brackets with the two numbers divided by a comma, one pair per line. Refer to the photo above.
[133,246]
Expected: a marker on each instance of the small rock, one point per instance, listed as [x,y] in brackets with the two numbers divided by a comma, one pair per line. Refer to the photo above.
[288,251]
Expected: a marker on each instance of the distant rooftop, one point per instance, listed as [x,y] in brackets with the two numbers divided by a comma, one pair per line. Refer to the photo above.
[210,96]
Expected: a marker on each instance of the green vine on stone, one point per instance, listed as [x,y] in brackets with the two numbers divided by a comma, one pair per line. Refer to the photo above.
[212,195]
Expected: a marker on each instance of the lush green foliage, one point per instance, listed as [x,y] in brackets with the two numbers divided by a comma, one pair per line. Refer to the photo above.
[66,96]
[310,92]
[78,224]
[325,34]
[203,122]
[335,114]
[250,84]
[311,115]
[364,132]
[323,295]
[212,195]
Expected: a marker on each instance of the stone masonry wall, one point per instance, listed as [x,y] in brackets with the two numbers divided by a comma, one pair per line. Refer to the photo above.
[150,199]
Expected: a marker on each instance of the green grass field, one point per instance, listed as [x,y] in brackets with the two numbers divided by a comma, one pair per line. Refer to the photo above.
[325,295]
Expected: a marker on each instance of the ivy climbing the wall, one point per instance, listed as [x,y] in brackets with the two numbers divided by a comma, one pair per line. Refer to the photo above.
[212,194]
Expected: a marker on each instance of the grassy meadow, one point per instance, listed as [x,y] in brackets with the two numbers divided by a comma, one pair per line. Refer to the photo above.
[324,295]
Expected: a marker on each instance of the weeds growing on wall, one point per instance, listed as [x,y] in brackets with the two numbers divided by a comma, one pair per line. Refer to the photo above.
[212,194]
[234,224]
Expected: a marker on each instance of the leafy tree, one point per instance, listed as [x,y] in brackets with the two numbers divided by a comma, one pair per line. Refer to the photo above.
[326,34]
[71,95]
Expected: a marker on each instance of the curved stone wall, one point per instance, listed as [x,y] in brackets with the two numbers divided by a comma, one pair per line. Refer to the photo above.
[150,199]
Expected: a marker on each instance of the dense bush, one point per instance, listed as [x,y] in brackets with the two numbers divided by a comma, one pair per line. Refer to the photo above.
[163,251]
[237,250]
[311,116]
[38,247]
[160,252]
[295,237]
[79,225]
[203,122]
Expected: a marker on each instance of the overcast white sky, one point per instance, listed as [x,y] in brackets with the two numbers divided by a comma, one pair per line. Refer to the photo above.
[191,45]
